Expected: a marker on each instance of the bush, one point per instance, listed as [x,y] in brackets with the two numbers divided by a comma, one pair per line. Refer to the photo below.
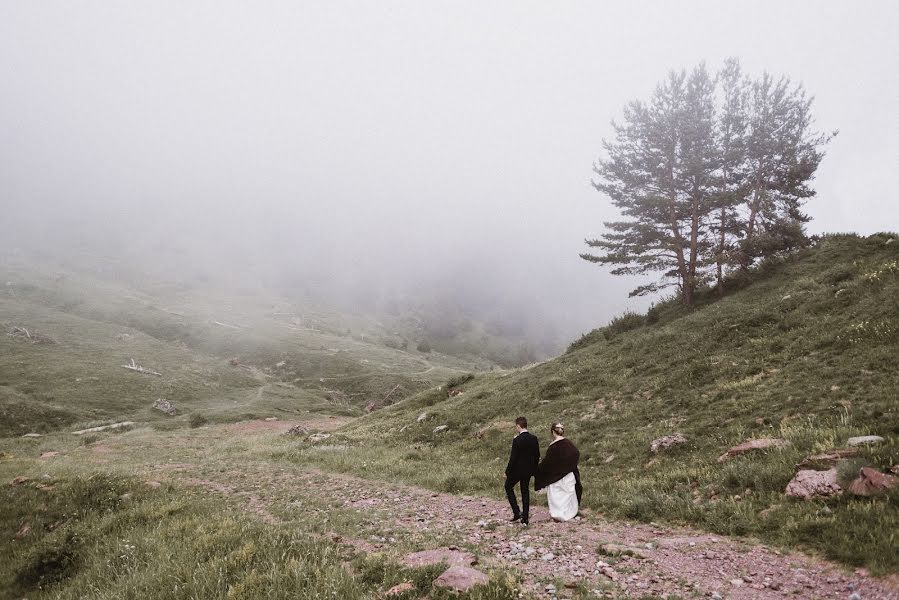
[197,420]
[423,346]
[628,321]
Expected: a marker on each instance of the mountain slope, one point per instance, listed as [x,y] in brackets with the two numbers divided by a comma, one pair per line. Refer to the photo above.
[804,350]
[64,336]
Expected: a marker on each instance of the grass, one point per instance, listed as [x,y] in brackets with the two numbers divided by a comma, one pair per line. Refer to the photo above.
[291,359]
[113,537]
[804,349]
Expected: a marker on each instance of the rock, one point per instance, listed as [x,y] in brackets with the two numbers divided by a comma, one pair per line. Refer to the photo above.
[894,469]
[548,556]
[665,442]
[297,431]
[270,419]
[864,440]
[153,484]
[827,459]
[121,425]
[19,480]
[447,556]
[24,530]
[809,484]
[441,428]
[461,579]
[422,417]
[870,482]
[752,446]
[318,437]
[32,435]
[400,588]
[50,454]
[163,405]
[623,550]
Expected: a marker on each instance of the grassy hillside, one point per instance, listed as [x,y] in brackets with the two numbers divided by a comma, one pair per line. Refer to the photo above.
[64,337]
[805,349]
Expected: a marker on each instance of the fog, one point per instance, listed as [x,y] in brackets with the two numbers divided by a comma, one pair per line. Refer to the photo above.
[366,150]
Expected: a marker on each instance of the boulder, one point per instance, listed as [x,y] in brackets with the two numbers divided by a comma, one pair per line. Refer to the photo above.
[461,579]
[163,405]
[809,484]
[864,440]
[665,442]
[871,481]
[752,446]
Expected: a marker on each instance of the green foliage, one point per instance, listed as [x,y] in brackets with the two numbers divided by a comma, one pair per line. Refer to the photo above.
[197,420]
[709,174]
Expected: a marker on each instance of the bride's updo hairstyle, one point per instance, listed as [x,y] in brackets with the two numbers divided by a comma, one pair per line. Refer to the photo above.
[558,429]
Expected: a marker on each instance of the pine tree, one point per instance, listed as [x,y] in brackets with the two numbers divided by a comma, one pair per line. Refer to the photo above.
[659,172]
[709,174]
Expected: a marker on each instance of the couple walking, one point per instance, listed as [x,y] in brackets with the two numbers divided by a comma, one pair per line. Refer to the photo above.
[557,472]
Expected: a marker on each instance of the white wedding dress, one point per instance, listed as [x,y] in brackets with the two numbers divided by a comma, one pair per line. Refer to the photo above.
[562,499]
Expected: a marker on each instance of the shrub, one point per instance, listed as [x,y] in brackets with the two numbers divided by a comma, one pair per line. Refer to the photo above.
[197,420]
[423,346]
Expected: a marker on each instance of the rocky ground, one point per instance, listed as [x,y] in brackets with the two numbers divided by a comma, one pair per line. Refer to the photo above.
[586,557]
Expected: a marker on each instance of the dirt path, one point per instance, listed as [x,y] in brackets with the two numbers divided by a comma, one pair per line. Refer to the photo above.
[642,560]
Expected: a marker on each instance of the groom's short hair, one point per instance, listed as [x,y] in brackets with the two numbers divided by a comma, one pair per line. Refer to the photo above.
[521,422]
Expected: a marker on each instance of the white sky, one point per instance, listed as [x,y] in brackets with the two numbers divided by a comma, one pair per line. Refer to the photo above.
[406,138]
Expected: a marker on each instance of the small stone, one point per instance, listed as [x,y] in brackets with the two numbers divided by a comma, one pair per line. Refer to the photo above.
[441,428]
[864,440]
[548,556]
[32,435]
[752,446]
[50,454]
[737,582]
[667,441]
[163,405]
[422,417]
[400,588]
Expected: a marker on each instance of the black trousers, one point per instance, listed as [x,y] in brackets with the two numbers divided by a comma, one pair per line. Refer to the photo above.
[525,484]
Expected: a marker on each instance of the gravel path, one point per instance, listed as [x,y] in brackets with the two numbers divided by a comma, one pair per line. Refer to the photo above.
[639,560]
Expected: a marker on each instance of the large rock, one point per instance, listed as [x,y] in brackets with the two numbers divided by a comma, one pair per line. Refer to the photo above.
[461,579]
[809,484]
[870,482]
[864,440]
[665,442]
[753,446]
[161,404]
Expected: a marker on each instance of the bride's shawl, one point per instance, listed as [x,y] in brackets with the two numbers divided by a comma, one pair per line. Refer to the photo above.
[560,460]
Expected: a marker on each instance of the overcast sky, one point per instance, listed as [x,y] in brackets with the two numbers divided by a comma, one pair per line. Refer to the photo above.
[403,139]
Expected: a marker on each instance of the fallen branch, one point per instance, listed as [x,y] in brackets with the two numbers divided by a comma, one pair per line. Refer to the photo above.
[140,369]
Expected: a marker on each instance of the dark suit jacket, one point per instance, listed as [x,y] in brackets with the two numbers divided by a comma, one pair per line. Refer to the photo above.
[525,456]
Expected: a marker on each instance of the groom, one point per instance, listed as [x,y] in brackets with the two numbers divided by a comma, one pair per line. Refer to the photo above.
[522,466]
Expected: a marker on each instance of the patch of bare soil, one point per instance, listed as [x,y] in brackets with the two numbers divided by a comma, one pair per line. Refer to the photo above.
[638,560]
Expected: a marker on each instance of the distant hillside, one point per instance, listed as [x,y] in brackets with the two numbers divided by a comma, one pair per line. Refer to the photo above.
[805,349]
[64,336]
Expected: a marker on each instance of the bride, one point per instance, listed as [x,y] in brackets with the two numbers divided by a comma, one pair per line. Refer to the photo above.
[558,473]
